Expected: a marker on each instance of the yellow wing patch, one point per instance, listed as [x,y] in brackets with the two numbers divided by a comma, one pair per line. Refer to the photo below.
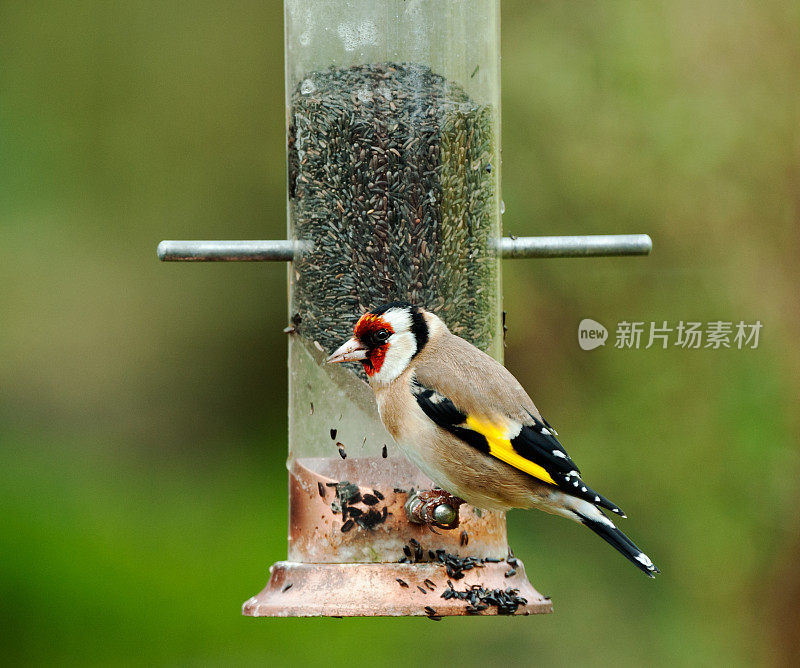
[500,447]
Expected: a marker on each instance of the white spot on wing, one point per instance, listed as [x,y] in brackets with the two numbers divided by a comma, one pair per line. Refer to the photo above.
[642,558]
[558,453]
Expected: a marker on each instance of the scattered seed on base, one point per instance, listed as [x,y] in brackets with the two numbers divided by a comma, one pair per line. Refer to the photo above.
[479,599]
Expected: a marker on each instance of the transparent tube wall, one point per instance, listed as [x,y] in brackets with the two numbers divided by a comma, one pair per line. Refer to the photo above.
[393,135]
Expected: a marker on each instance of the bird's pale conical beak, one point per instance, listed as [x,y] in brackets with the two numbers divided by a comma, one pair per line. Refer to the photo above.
[350,351]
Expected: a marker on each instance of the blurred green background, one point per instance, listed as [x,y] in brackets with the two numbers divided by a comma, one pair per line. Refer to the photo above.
[143,406]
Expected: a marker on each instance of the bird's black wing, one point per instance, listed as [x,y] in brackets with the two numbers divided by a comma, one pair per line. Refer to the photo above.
[531,448]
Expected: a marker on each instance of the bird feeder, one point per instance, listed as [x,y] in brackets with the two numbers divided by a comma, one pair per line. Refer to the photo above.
[393,140]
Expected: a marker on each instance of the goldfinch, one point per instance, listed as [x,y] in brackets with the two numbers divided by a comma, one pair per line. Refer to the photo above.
[468,424]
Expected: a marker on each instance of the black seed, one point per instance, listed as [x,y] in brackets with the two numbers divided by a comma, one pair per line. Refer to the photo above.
[369,499]
[378,494]
[321,489]
[333,434]
[386,187]
[403,583]
[286,587]
[347,526]
[342,453]
[479,599]
[384,452]
[429,584]
[422,589]
[510,572]
[464,538]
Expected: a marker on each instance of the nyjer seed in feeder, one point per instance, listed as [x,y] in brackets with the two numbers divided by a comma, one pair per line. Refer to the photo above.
[393,151]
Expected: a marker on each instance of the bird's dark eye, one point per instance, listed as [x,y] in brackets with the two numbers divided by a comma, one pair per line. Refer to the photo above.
[382,335]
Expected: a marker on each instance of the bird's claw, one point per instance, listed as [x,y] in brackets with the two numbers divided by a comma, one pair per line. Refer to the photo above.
[434,507]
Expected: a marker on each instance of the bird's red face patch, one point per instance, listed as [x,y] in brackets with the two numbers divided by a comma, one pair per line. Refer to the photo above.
[372,330]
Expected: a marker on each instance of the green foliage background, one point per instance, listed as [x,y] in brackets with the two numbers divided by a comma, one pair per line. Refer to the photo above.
[142,406]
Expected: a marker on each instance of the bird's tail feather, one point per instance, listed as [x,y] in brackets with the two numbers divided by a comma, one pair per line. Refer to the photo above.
[620,542]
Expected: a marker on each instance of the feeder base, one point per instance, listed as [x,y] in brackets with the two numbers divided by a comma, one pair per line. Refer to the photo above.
[373,590]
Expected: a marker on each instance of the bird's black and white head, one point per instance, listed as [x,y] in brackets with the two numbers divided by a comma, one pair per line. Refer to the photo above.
[385,340]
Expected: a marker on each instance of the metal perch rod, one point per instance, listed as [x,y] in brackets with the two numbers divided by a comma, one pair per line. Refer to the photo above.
[508,247]
[575,246]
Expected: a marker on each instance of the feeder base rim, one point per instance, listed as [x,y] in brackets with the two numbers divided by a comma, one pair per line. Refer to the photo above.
[373,590]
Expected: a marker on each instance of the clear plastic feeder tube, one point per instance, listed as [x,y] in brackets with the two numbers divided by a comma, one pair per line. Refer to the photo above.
[393,136]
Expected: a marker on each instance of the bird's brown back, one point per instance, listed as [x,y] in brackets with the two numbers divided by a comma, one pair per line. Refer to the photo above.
[475,382]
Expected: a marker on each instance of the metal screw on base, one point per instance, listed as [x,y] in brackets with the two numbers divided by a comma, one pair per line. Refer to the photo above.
[444,513]
[435,507]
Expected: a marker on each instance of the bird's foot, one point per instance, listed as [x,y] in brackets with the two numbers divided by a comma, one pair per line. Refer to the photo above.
[434,507]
